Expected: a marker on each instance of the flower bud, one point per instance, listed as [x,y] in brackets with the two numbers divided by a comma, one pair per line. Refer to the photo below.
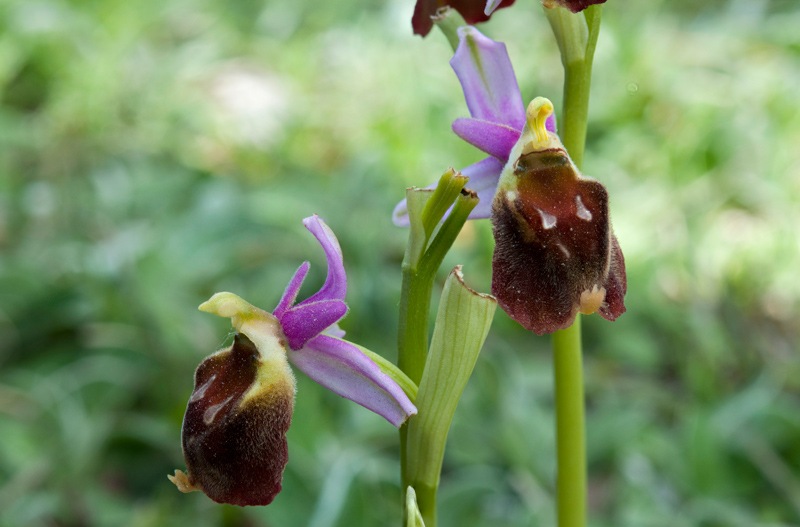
[234,429]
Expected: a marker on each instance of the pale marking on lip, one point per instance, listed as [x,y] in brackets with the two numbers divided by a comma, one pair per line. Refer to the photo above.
[201,392]
[548,220]
[583,212]
[211,412]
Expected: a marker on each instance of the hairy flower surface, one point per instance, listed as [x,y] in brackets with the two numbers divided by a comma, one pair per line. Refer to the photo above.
[555,253]
[234,429]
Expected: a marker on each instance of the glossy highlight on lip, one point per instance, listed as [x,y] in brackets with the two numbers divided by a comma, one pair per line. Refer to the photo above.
[555,253]
[234,428]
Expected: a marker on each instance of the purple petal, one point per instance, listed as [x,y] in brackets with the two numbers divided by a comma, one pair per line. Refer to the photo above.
[307,320]
[335,286]
[550,123]
[483,177]
[487,78]
[342,368]
[495,139]
[290,293]
[334,331]
[400,214]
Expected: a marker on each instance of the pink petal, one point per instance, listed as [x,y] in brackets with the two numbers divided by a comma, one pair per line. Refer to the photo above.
[487,78]
[495,139]
[342,368]
[290,293]
[307,320]
[483,177]
[400,214]
[335,286]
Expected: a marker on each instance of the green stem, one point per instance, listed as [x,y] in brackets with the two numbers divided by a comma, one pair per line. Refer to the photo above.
[570,426]
[462,324]
[577,81]
[412,346]
[577,36]
[415,298]
[577,73]
[419,273]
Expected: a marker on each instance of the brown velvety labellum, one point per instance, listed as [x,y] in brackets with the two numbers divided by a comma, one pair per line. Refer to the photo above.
[234,430]
[553,245]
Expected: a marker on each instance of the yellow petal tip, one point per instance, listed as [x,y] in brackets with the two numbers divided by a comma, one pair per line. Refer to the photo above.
[182,481]
[227,305]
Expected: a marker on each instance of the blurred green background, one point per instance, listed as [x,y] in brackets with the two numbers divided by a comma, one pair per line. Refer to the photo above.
[154,152]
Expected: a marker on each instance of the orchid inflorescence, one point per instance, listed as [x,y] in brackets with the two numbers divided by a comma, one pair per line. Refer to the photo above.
[555,256]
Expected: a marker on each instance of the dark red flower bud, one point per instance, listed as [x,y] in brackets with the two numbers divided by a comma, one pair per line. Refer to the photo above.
[555,254]
[234,429]
[473,12]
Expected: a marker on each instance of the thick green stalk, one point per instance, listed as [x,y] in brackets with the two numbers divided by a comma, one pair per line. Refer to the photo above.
[577,38]
[570,426]
[420,272]
[429,242]
[415,298]
[577,82]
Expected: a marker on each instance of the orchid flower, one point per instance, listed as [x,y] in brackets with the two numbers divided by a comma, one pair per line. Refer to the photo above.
[473,11]
[234,429]
[555,253]
[498,115]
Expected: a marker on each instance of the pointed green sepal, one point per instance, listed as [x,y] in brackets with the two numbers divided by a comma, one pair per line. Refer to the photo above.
[413,516]
[571,31]
[446,192]
[462,324]
[416,198]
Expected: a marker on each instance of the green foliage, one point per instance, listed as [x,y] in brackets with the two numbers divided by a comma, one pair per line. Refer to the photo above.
[152,153]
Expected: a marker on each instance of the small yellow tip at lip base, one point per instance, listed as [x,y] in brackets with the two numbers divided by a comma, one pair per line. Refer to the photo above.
[181,480]
[591,300]
[537,113]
